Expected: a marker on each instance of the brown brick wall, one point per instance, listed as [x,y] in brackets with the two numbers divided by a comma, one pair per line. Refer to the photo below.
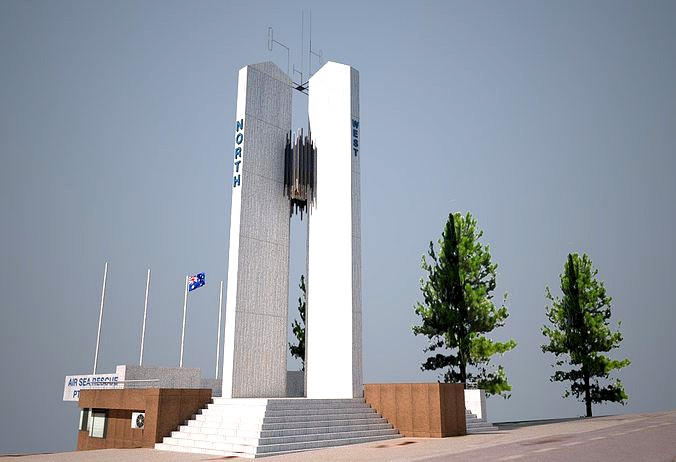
[165,410]
[175,406]
[429,410]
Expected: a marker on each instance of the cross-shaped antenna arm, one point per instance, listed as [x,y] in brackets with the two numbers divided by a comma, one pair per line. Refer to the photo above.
[272,41]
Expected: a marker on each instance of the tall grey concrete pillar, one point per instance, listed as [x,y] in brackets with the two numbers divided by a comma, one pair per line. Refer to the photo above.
[333,337]
[255,345]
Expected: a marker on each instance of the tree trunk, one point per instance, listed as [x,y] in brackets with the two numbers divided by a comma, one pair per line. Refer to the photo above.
[463,369]
[587,395]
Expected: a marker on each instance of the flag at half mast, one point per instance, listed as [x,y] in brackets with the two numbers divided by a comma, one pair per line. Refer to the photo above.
[196,281]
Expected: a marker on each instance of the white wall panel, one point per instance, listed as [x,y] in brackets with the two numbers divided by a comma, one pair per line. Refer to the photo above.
[333,338]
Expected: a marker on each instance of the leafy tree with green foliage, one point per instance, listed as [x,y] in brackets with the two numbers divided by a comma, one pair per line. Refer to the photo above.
[580,333]
[298,351]
[458,309]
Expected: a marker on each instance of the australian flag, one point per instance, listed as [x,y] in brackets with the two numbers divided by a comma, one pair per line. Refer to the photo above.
[196,281]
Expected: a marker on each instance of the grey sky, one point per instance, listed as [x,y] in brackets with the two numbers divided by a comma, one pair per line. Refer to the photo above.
[554,123]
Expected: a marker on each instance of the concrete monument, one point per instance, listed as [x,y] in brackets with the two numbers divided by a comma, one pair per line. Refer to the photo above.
[276,173]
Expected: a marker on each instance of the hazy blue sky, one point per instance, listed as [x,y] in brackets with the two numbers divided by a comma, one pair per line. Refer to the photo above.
[554,123]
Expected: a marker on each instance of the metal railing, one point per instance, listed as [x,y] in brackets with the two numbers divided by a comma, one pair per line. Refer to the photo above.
[121,384]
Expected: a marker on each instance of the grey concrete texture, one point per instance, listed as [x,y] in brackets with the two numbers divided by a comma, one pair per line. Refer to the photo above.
[295,384]
[167,377]
[260,334]
[214,384]
[357,351]
[630,437]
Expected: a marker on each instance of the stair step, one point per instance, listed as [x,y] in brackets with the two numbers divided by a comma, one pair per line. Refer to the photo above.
[321,417]
[258,426]
[322,430]
[275,406]
[285,402]
[319,411]
[192,439]
[476,425]
[294,447]
[482,430]
[279,445]
[194,450]
[203,449]
[270,450]
[282,431]
[224,412]
[476,420]
[376,419]
[281,417]
[325,436]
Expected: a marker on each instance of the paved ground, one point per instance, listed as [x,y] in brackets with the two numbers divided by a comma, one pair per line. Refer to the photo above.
[632,437]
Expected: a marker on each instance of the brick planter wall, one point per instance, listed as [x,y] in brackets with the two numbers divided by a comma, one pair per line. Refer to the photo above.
[428,410]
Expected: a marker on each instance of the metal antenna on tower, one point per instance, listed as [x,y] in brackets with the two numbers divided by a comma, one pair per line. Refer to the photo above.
[302,40]
[302,84]
[312,52]
[272,41]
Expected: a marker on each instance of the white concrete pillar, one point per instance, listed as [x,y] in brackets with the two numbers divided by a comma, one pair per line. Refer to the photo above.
[333,336]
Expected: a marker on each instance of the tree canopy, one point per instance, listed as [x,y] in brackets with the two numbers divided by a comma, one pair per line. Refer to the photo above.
[298,350]
[458,309]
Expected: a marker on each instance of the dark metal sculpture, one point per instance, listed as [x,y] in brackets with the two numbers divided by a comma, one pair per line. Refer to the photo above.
[300,171]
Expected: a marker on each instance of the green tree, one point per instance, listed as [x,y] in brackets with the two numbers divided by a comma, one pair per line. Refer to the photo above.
[579,333]
[298,351]
[458,309]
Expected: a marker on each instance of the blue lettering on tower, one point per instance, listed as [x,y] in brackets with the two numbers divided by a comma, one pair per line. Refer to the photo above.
[239,140]
[355,136]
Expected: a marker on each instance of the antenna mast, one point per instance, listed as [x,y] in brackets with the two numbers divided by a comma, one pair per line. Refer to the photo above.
[302,84]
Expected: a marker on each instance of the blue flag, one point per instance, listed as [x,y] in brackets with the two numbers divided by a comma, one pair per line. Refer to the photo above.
[196,281]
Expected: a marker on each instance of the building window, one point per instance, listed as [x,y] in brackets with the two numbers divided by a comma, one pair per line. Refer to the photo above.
[84,418]
[98,419]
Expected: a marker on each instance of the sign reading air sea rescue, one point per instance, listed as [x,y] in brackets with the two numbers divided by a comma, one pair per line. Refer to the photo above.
[239,142]
[74,383]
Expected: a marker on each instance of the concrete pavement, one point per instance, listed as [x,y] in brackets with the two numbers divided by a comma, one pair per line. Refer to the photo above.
[631,437]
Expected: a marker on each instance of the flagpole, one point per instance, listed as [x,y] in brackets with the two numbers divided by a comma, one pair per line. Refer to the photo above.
[218,336]
[98,334]
[145,315]
[185,304]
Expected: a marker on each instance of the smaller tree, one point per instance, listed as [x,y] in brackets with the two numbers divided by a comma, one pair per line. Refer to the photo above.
[298,351]
[580,333]
[458,310]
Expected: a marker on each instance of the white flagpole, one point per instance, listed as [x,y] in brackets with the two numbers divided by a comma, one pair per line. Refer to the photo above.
[185,304]
[98,334]
[145,315]
[218,336]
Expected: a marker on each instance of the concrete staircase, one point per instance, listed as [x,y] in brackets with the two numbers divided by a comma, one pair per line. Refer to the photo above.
[250,427]
[476,425]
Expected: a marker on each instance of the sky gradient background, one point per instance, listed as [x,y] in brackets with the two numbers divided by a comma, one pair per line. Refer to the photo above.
[554,123]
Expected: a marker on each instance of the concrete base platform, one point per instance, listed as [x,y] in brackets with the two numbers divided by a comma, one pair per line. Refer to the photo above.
[258,427]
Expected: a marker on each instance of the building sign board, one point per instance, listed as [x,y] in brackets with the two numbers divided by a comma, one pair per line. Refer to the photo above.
[74,383]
